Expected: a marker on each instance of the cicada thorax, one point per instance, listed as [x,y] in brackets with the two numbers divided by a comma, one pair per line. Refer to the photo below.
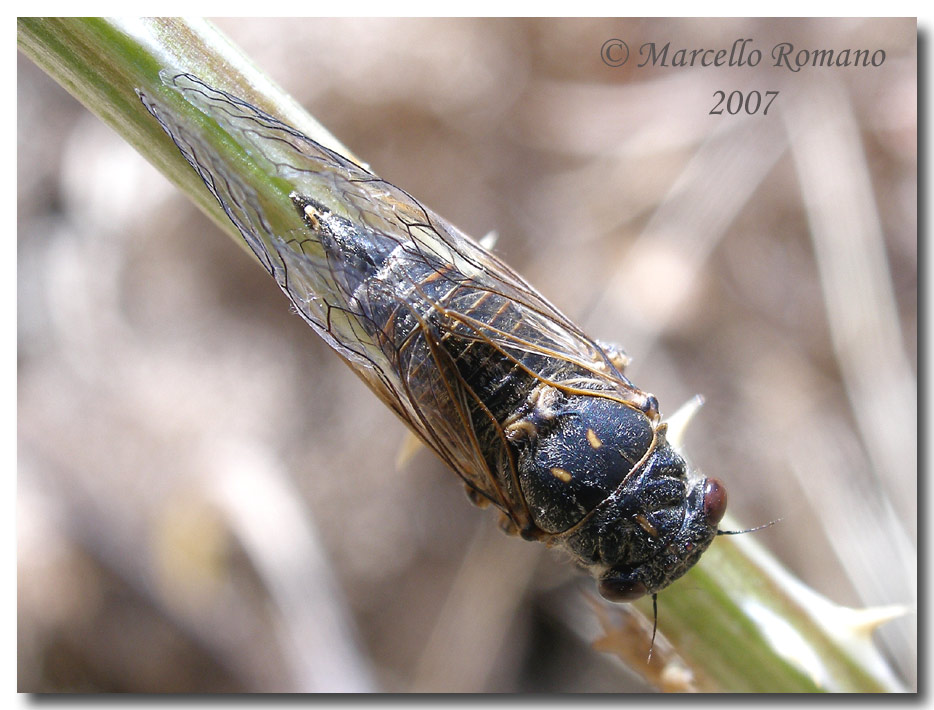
[599,476]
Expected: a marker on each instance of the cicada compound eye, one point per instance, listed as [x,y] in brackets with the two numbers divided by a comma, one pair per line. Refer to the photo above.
[714,501]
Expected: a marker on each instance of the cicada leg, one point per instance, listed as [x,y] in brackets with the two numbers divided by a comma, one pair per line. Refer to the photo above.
[539,410]
[620,360]
[476,497]
[508,525]
[616,355]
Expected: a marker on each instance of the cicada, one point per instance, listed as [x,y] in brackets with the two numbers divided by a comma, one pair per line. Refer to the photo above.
[536,417]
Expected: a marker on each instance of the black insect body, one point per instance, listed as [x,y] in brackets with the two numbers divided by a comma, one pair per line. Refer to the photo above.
[536,417]
[604,481]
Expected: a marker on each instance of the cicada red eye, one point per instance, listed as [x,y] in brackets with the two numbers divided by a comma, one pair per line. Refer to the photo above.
[714,501]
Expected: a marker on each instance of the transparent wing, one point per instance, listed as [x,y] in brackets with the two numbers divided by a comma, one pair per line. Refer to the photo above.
[425,388]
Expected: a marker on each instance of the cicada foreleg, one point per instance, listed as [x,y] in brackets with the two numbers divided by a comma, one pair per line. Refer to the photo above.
[616,355]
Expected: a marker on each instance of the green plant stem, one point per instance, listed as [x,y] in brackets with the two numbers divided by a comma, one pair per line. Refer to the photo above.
[740,619]
[737,620]
[102,62]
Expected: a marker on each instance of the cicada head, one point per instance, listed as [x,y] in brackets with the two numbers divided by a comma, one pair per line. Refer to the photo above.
[600,478]
[679,549]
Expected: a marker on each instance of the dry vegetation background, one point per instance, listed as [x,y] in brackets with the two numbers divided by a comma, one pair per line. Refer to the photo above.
[208,499]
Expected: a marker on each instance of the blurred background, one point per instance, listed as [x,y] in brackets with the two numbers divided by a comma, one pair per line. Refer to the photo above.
[209,500]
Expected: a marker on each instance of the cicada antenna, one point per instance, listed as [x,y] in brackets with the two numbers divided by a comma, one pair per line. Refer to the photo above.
[654,626]
[749,530]
[655,596]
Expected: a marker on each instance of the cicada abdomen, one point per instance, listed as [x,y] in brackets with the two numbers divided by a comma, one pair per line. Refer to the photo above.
[537,418]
